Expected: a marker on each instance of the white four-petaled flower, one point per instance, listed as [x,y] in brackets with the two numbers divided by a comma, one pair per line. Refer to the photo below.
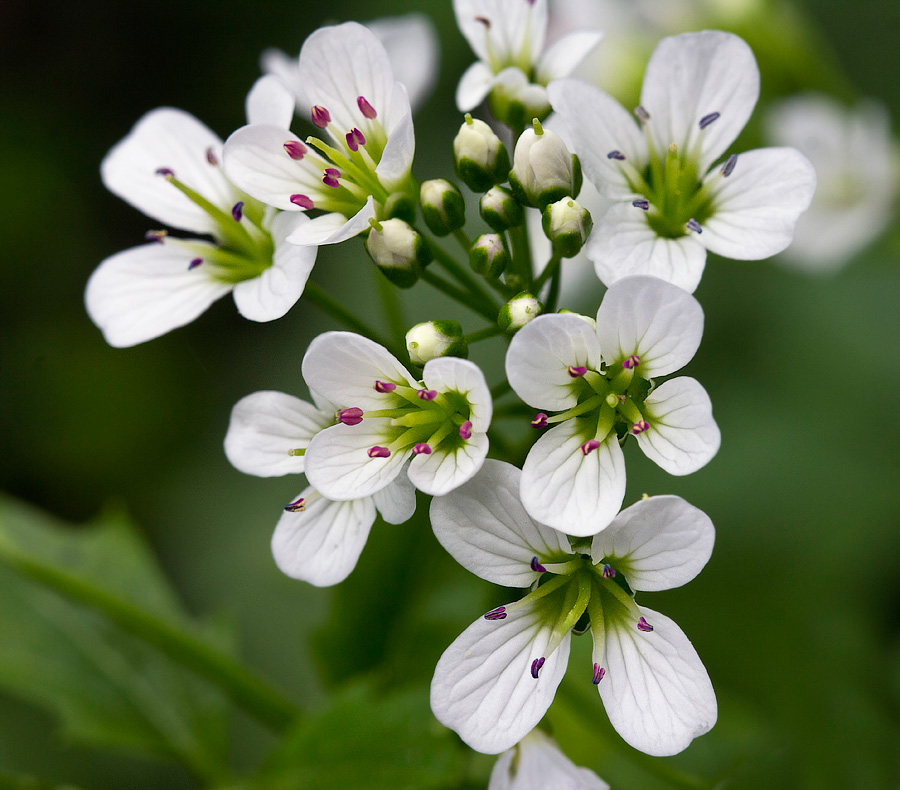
[496,681]
[537,763]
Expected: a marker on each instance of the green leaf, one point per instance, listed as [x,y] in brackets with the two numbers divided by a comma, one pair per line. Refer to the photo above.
[18,782]
[110,687]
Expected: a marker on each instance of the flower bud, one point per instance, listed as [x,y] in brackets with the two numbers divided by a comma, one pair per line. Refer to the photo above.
[400,205]
[500,209]
[567,224]
[488,256]
[515,101]
[398,251]
[480,156]
[435,339]
[544,170]
[518,311]
[443,207]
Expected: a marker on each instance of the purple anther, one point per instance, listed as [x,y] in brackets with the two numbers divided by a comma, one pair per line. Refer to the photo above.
[599,672]
[576,371]
[465,430]
[195,263]
[211,157]
[536,566]
[632,362]
[496,614]
[303,201]
[640,426]
[536,666]
[353,416]
[330,177]
[165,172]
[237,211]
[643,625]
[385,386]
[484,21]
[355,138]
[641,203]
[642,115]
[693,225]
[618,155]
[422,448]
[379,452]
[296,506]
[295,149]
[320,116]
[156,235]
[608,571]
[728,167]
[706,120]
[589,446]
[426,394]
[365,108]
[333,172]
[539,421]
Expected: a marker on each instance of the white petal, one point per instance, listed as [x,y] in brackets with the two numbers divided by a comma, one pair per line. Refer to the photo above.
[623,244]
[757,206]
[575,493]
[692,76]
[274,61]
[343,367]
[338,464]
[658,543]
[537,763]
[322,543]
[412,46]
[683,436]
[174,139]
[540,354]
[599,125]
[278,288]
[396,159]
[511,27]
[442,471]
[474,85]
[265,427]
[566,54]
[485,529]
[146,291]
[396,502]
[482,686]
[449,374]
[656,320]
[269,101]
[656,691]
[333,228]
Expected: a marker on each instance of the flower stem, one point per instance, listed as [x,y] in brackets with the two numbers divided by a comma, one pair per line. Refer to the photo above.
[328,304]
[464,277]
[520,266]
[393,310]
[464,241]
[550,270]
[459,295]
[483,334]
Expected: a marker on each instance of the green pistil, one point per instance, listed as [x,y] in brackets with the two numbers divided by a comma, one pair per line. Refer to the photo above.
[417,418]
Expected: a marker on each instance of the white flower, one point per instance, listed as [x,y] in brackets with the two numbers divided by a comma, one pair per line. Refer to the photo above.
[168,168]
[316,539]
[496,681]
[440,422]
[507,36]
[855,160]
[537,763]
[672,203]
[600,378]
[367,156]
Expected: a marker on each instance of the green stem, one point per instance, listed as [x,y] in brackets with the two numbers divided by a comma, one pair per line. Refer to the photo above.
[550,270]
[553,293]
[328,304]
[464,241]
[520,265]
[459,295]
[393,310]
[483,334]
[463,276]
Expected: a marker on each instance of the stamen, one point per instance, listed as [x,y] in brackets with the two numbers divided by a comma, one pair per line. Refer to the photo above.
[484,21]
[616,155]
[211,157]
[536,666]
[426,394]
[590,446]
[706,120]
[195,263]
[599,672]
[165,172]
[330,177]
[355,138]
[297,452]
[536,566]
[693,225]
[156,235]
[643,625]
[728,167]
[496,614]
[379,452]
[539,421]
[297,506]
[641,203]
[465,430]
[366,109]
[576,372]
[353,416]
[295,149]
[632,362]
[237,211]
[640,426]
[320,116]
[608,571]
[385,386]
[303,201]
[642,115]
[422,448]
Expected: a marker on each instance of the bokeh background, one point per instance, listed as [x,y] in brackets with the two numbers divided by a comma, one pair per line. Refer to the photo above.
[797,616]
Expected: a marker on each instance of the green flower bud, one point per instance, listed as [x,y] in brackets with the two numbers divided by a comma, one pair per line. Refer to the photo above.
[500,209]
[400,205]
[544,170]
[435,339]
[480,156]
[515,101]
[488,256]
[443,206]
[567,224]
[398,251]
[518,311]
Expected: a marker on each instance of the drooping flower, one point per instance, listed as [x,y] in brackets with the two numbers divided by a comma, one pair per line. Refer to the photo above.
[537,763]
[168,167]
[507,36]
[496,681]
[672,203]
[366,156]
[440,422]
[316,539]
[856,165]
[599,377]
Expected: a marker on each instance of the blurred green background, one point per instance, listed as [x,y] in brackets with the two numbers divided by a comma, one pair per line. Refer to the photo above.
[797,616]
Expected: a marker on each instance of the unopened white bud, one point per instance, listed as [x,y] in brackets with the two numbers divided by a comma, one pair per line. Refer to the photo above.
[398,250]
[518,311]
[434,339]
[544,170]
[567,224]
[480,156]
